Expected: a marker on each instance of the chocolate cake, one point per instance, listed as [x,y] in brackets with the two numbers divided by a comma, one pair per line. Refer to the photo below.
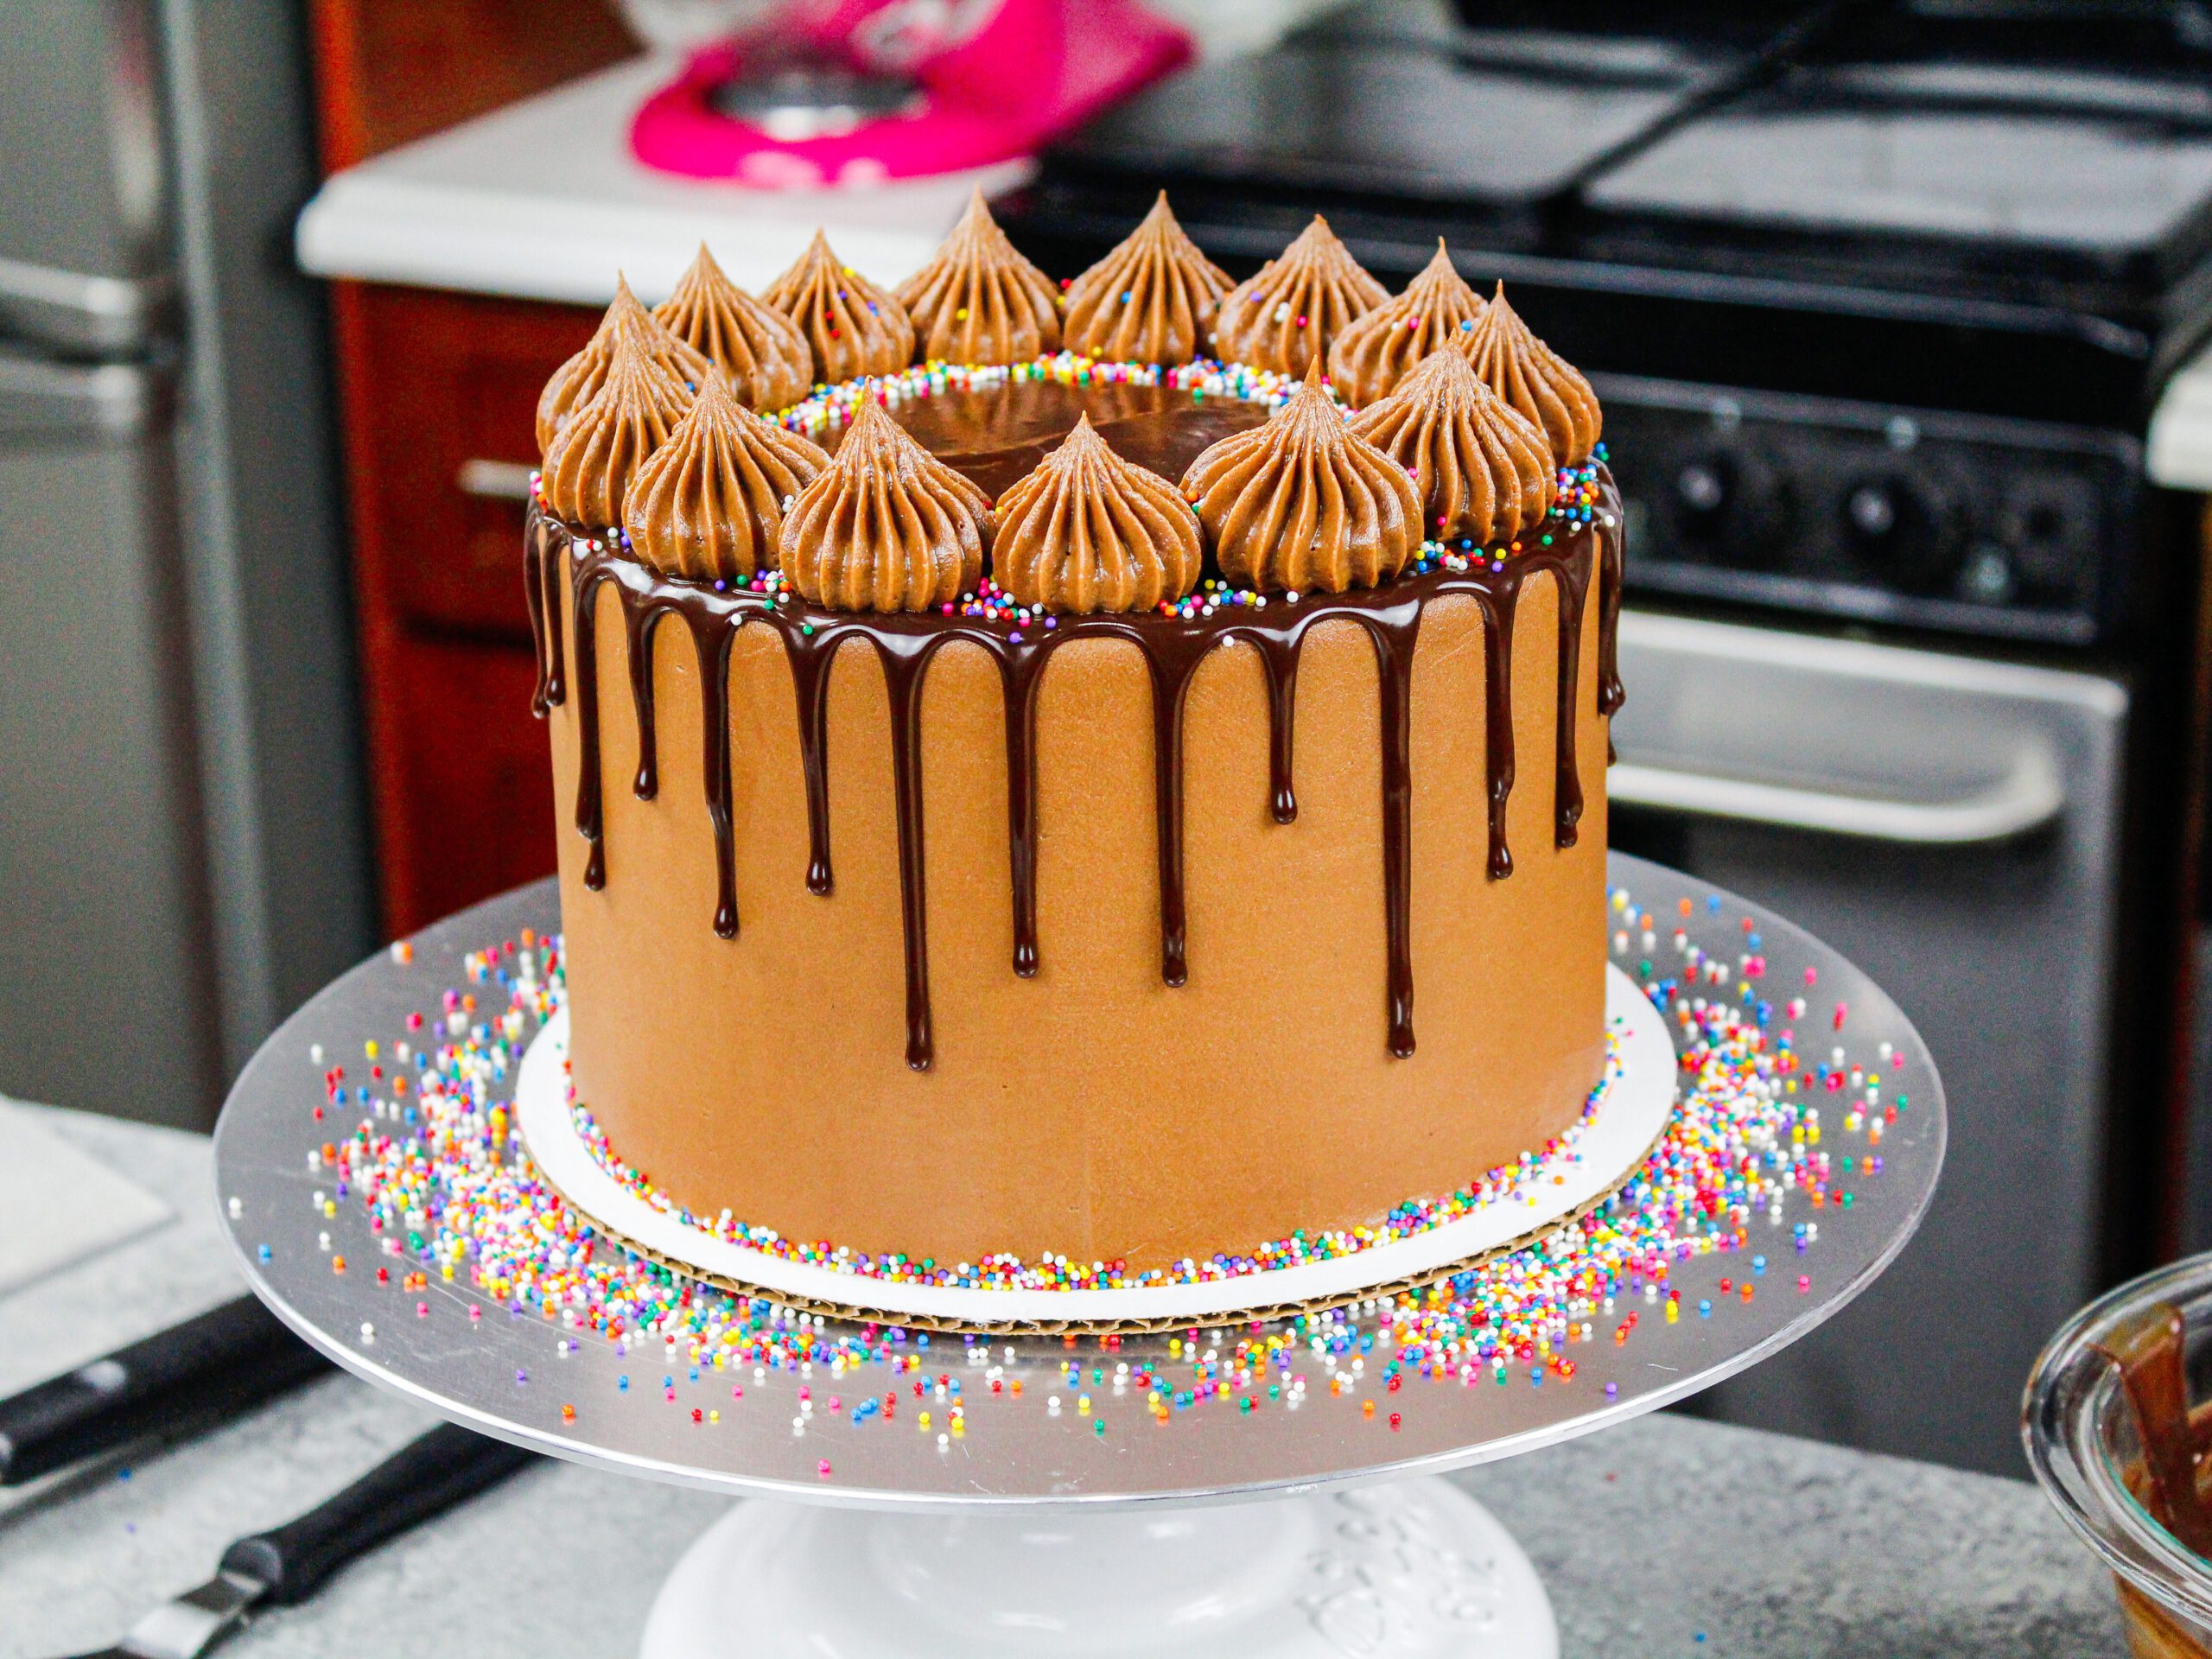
[1118,811]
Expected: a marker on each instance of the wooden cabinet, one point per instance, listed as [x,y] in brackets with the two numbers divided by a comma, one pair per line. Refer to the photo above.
[461,782]
[391,71]
[439,394]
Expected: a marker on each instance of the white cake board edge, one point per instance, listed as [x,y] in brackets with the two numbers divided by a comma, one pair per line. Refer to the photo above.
[1630,1117]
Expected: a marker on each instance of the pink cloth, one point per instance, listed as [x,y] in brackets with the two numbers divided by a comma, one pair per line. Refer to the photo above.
[1031,70]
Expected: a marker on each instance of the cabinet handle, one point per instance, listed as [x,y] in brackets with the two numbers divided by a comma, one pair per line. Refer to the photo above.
[495,480]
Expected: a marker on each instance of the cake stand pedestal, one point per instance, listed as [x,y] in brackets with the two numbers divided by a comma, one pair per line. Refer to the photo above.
[1416,1567]
[1311,1525]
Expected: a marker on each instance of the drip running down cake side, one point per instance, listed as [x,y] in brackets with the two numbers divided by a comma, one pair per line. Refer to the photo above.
[1243,876]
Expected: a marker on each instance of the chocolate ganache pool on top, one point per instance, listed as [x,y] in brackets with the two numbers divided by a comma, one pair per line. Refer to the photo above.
[1126,806]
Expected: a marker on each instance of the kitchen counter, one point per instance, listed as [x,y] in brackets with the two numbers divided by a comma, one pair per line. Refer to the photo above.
[542,201]
[1665,1536]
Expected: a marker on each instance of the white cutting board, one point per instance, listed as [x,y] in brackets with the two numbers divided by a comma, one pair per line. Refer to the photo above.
[58,1204]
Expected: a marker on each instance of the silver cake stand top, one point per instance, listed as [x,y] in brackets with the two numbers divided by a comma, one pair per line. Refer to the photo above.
[512,1374]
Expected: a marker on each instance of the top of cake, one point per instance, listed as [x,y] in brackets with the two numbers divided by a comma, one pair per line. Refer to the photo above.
[1340,436]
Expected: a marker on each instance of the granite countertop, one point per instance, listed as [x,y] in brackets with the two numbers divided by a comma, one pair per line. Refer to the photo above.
[1665,1536]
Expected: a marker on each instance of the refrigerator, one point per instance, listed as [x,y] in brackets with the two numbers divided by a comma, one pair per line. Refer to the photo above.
[183,850]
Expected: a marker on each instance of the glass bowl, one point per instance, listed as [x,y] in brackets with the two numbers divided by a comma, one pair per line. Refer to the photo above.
[2086,1445]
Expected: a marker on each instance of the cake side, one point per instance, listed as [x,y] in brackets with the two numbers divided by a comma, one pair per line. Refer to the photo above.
[1130,812]
[1091,1109]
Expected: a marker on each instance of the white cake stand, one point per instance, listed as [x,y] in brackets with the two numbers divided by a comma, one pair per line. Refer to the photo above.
[1318,1529]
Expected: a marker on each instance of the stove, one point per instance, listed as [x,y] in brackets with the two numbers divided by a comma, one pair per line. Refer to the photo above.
[1879,296]
[1349,112]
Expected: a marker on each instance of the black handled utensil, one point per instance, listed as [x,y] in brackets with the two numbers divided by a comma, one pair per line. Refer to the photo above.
[212,1366]
[281,1567]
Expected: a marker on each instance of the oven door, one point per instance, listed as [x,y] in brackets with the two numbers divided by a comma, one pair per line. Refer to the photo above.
[1952,824]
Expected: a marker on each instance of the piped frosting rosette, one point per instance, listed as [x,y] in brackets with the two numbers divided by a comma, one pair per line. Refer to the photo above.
[887,527]
[1286,317]
[599,447]
[851,327]
[978,301]
[578,380]
[1535,379]
[759,350]
[1376,351]
[1090,532]
[1151,300]
[1303,503]
[708,504]
[1482,468]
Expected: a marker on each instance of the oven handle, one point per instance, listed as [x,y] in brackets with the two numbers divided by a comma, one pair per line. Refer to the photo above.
[2028,797]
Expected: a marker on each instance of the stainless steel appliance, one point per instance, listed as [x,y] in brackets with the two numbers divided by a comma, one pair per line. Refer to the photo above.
[1879,297]
[182,852]
[1957,821]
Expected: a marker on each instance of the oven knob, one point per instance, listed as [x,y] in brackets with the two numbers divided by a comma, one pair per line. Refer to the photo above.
[1987,578]
[1733,507]
[1703,485]
[1873,509]
[1906,528]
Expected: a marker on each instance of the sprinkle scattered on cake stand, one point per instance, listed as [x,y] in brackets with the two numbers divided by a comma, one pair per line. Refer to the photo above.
[380,1200]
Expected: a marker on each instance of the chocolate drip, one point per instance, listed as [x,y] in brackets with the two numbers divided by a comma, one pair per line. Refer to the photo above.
[591,814]
[1394,633]
[1021,672]
[811,682]
[1171,689]
[1566,776]
[1173,650]
[1279,661]
[545,615]
[1613,559]
[712,636]
[905,653]
[641,623]
[534,543]
[1173,647]
[905,658]
[1498,605]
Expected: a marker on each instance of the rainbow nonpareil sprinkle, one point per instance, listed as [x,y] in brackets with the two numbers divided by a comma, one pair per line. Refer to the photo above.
[444,1179]
[830,407]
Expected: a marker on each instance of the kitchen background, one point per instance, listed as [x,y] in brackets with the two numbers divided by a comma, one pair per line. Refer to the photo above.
[1893,307]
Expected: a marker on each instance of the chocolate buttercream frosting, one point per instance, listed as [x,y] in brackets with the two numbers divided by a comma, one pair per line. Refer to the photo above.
[978,300]
[578,380]
[1088,530]
[709,503]
[1151,300]
[1305,503]
[1482,468]
[1287,315]
[1535,379]
[759,350]
[887,527]
[851,327]
[1377,351]
[601,446]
